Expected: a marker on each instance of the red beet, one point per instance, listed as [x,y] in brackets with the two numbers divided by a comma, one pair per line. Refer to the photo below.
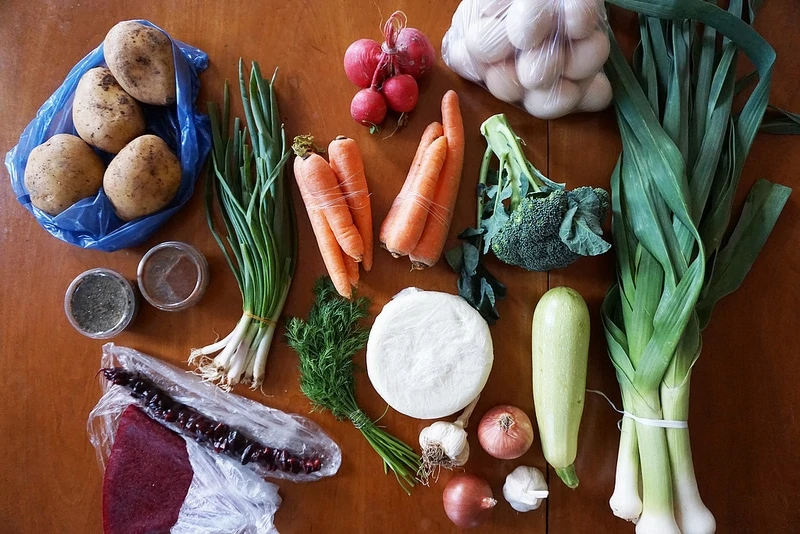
[368,107]
[361,60]
[147,476]
[401,93]
[415,53]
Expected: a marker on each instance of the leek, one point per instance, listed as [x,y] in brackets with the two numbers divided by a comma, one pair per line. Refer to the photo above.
[684,147]
[248,182]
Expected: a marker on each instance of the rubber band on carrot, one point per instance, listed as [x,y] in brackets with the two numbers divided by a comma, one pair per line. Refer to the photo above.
[402,235]
[432,132]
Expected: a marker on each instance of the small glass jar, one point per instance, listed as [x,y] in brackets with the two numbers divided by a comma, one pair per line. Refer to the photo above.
[100,303]
[172,276]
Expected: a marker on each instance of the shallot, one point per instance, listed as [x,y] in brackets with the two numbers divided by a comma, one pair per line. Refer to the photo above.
[468,500]
[505,432]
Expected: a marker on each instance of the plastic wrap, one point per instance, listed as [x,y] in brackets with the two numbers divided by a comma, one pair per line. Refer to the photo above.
[91,222]
[269,426]
[429,354]
[545,56]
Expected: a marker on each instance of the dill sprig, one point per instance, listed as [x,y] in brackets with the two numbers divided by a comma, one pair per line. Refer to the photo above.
[325,343]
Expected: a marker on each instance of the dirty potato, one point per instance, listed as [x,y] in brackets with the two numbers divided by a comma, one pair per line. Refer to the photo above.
[62,171]
[141,59]
[104,114]
[143,178]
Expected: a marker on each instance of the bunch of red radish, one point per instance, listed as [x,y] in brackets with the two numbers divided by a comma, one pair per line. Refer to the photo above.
[388,72]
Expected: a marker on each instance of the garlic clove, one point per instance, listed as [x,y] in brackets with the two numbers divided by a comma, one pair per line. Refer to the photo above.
[461,458]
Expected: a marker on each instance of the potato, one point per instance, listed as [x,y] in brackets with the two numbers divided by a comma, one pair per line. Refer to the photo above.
[143,178]
[104,114]
[62,171]
[141,59]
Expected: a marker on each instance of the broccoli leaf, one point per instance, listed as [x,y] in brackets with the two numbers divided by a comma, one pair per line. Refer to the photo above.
[491,226]
[476,284]
[493,219]
[581,227]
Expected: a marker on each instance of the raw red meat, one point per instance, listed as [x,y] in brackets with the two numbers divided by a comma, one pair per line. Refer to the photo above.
[147,477]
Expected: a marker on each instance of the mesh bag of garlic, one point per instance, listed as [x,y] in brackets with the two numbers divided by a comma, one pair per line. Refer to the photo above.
[545,56]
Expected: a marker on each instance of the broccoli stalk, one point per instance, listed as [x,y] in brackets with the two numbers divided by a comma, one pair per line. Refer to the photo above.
[524,218]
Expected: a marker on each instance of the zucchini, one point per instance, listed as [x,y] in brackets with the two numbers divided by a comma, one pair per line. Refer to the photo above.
[560,355]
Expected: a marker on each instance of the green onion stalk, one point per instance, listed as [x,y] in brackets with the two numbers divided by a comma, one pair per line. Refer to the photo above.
[259,236]
[673,188]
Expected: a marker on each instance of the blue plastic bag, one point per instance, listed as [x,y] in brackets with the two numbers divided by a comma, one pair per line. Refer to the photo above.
[91,222]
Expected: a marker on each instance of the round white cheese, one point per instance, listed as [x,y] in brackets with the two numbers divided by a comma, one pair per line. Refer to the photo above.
[429,354]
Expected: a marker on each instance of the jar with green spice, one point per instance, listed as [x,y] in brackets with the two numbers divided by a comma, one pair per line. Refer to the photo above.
[100,303]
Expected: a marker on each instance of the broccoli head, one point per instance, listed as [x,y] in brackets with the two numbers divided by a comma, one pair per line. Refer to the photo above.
[533,236]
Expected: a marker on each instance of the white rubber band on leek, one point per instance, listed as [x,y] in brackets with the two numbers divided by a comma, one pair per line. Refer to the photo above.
[661,423]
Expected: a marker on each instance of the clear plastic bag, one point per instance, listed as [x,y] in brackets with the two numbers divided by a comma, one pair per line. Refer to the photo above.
[545,56]
[91,222]
[224,495]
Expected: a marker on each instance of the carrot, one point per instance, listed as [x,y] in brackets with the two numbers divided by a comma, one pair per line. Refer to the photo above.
[314,175]
[434,235]
[335,261]
[348,165]
[402,236]
[351,266]
[431,133]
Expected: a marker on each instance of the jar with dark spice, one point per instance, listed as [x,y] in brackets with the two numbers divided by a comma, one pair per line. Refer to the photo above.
[100,303]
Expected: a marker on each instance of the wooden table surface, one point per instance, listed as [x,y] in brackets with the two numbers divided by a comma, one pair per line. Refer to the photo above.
[745,397]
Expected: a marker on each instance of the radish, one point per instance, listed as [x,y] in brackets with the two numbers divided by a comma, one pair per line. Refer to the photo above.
[391,68]
[368,107]
[401,92]
[360,61]
[415,54]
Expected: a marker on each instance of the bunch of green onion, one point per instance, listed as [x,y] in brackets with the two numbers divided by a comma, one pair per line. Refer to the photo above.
[684,146]
[248,182]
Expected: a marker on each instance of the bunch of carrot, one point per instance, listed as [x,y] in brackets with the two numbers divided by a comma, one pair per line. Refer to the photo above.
[419,219]
[337,200]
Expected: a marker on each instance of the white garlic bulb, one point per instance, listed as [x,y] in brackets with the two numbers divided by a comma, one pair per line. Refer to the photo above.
[449,437]
[525,488]
[445,444]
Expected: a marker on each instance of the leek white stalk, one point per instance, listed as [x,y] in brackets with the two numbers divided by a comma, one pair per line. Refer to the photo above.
[626,502]
[691,513]
[657,503]
[260,242]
